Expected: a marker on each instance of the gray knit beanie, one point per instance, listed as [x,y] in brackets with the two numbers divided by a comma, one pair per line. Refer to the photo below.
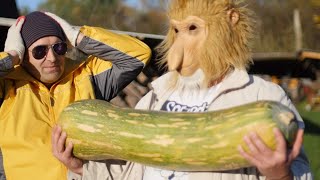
[38,25]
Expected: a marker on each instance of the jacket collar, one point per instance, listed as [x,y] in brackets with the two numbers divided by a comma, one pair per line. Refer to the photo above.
[234,80]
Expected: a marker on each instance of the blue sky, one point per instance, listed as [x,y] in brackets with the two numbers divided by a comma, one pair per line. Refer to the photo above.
[31,4]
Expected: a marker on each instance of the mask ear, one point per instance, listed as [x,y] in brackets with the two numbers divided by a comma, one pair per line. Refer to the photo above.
[233,16]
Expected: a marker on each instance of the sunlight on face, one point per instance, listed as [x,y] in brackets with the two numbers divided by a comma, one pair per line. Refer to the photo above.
[48,69]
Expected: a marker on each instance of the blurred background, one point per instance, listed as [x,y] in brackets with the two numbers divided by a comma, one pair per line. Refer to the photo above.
[286,51]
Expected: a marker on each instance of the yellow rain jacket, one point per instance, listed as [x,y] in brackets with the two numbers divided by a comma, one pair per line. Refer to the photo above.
[29,110]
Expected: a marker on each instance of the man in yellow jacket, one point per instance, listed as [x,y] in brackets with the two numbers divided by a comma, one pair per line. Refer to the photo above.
[38,80]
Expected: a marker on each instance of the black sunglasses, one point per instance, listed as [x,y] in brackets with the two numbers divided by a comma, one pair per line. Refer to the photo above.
[41,51]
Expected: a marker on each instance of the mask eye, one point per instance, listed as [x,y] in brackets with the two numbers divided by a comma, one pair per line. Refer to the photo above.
[192,27]
[176,30]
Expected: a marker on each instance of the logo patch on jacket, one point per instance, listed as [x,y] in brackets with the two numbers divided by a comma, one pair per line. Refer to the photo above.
[173,106]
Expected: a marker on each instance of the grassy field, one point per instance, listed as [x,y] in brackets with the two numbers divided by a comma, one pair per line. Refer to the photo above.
[312,138]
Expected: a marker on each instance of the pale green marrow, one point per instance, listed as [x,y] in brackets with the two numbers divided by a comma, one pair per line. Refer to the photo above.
[177,141]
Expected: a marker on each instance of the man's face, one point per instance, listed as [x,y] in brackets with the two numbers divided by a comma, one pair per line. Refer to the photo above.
[47,68]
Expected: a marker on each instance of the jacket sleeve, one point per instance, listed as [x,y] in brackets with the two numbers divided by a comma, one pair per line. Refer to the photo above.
[145,103]
[2,173]
[1,91]
[6,64]
[115,59]
[300,167]
[5,67]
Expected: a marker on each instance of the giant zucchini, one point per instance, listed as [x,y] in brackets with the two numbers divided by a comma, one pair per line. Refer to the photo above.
[177,141]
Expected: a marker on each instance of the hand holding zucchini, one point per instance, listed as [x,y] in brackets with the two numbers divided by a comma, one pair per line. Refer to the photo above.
[176,141]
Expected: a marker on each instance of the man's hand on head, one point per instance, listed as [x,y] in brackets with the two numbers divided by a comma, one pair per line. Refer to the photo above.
[14,44]
[71,32]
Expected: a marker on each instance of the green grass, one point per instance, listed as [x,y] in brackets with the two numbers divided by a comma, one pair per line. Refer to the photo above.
[312,138]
